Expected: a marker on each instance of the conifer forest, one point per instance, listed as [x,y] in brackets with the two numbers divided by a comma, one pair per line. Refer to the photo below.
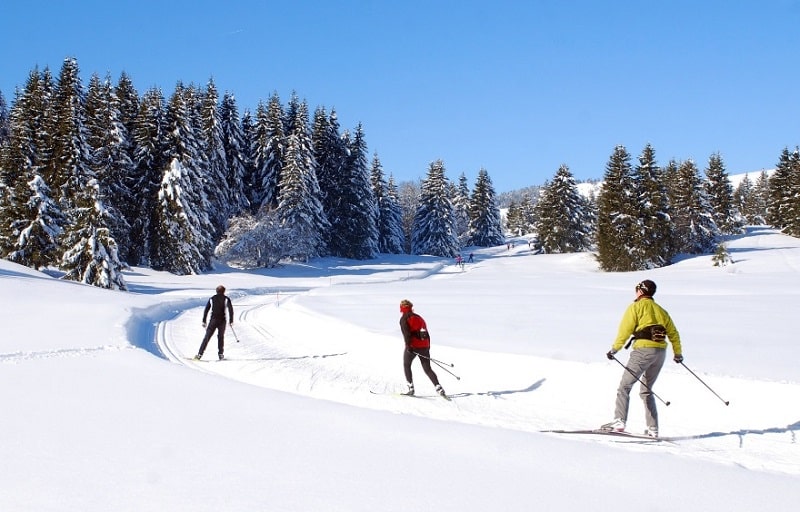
[97,177]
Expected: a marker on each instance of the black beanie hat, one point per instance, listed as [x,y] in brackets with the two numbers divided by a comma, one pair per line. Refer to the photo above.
[647,287]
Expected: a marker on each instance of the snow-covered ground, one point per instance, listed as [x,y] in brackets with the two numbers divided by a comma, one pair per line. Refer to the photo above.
[103,408]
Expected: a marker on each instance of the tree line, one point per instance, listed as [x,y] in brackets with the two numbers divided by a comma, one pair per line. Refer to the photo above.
[96,178]
[644,215]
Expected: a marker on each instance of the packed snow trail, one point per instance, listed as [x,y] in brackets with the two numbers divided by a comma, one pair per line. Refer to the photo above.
[286,346]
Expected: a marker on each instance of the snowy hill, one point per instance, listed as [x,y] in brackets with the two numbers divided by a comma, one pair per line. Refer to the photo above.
[104,410]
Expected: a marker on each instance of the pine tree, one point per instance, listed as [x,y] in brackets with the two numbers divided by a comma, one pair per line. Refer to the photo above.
[234,143]
[563,221]
[150,153]
[110,161]
[780,187]
[792,226]
[761,195]
[354,233]
[23,158]
[485,224]
[4,121]
[695,229]
[460,198]
[37,225]
[654,246]
[330,153]
[389,221]
[618,229]
[269,146]
[217,187]
[720,196]
[91,252]
[434,226]
[408,194]
[182,243]
[299,205]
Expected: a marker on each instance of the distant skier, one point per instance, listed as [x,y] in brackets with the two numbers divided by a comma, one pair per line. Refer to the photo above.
[418,343]
[471,258]
[218,305]
[647,325]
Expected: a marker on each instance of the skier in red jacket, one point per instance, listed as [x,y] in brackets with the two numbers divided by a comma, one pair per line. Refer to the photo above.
[418,343]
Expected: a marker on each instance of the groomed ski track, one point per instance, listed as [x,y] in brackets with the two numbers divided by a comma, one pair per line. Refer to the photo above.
[281,348]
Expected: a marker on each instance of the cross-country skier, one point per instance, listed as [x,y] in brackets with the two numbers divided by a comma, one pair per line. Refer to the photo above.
[418,343]
[649,325]
[218,304]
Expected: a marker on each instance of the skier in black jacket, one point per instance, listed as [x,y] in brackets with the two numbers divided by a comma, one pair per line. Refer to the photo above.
[217,305]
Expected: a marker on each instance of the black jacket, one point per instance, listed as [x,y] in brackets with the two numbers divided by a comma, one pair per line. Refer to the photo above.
[217,305]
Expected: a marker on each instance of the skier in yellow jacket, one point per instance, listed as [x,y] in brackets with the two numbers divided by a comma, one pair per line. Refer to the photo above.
[647,325]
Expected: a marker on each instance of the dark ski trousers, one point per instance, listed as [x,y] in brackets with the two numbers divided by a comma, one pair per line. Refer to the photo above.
[408,357]
[217,324]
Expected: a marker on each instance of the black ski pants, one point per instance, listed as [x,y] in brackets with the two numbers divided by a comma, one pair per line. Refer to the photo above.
[408,357]
[216,324]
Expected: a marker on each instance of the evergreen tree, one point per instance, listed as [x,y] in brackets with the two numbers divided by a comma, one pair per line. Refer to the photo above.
[780,192]
[389,218]
[330,153]
[22,158]
[563,221]
[747,201]
[461,202]
[149,145]
[299,205]
[695,229]
[91,252]
[38,227]
[792,226]
[268,154]
[618,229]
[720,196]
[521,216]
[408,194]
[654,247]
[234,144]
[4,121]
[354,233]
[485,224]
[182,243]
[109,160]
[434,225]
[761,193]
[217,187]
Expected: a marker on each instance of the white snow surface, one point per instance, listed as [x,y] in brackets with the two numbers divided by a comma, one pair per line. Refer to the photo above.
[103,408]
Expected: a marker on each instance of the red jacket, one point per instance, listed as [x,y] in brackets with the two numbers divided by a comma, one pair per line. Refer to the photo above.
[415,331]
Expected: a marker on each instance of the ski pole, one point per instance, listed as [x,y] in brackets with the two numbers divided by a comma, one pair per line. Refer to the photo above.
[706,385]
[640,380]
[234,334]
[440,365]
[451,365]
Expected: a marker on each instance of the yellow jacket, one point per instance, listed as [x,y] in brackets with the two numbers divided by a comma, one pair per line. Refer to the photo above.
[642,313]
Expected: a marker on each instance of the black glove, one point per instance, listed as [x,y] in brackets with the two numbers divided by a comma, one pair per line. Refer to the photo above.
[678,358]
[610,354]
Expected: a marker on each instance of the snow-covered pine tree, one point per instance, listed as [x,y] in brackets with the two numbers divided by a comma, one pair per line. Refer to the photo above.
[91,252]
[299,205]
[255,241]
[23,157]
[563,220]
[695,229]
[761,195]
[780,191]
[389,218]
[149,150]
[434,230]
[408,194]
[182,243]
[654,248]
[354,233]
[792,226]
[618,228]
[268,152]
[460,198]
[720,197]
[485,223]
[234,144]
[37,226]
[217,187]
[109,159]
[330,153]
[4,120]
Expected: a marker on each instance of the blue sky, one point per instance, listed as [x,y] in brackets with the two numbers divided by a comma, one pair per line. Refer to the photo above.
[515,87]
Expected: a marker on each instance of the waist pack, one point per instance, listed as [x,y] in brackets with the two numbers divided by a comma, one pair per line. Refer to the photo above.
[656,333]
[423,334]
